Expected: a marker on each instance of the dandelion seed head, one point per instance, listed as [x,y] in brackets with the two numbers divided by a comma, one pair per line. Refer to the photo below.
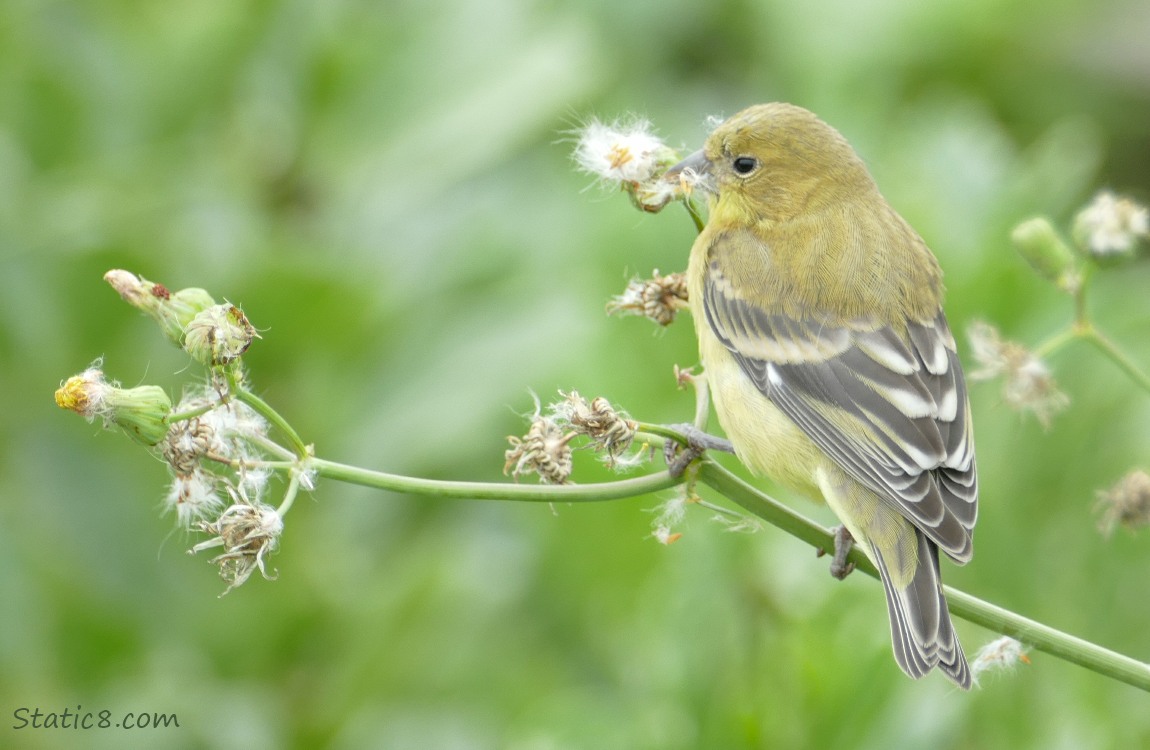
[620,151]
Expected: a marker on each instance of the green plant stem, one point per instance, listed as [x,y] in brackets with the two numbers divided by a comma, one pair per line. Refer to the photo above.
[539,493]
[1041,637]
[1086,331]
[718,478]
[237,390]
[1117,356]
[661,431]
[1057,341]
[1045,638]
[290,495]
[695,213]
[180,416]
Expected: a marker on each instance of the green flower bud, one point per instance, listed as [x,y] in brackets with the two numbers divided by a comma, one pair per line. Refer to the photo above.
[142,412]
[1042,247]
[172,310]
[218,335]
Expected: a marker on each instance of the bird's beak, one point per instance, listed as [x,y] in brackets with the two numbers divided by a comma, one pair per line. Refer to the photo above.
[694,171]
[696,162]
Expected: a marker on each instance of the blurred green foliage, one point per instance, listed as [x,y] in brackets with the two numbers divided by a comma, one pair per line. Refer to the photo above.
[385,187]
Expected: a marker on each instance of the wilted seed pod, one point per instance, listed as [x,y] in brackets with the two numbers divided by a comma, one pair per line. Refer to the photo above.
[659,298]
[598,420]
[248,533]
[172,310]
[186,443]
[544,450]
[218,335]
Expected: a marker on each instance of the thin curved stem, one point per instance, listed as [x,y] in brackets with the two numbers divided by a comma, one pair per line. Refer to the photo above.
[1057,342]
[290,495]
[181,416]
[264,409]
[1034,634]
[1045,638]
[539,493]
[695,213]
[1117,356]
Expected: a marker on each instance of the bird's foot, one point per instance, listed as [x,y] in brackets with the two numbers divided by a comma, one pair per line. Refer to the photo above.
[840,567]
[678,456]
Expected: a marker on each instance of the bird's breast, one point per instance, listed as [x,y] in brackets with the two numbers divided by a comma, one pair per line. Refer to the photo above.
[765,439]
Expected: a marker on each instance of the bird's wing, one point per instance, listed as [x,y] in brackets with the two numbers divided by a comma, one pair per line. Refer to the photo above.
[891,410]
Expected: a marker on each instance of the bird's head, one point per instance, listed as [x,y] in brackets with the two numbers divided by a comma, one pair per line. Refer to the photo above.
[773,161]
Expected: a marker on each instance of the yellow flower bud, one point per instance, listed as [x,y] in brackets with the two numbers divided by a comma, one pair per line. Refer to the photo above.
[142,412]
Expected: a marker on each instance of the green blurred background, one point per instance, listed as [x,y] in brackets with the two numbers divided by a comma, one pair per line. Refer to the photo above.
[386,188]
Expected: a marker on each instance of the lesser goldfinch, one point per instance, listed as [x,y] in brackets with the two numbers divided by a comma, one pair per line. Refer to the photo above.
[818,311]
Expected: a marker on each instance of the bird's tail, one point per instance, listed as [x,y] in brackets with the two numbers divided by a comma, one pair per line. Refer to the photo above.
[921,629]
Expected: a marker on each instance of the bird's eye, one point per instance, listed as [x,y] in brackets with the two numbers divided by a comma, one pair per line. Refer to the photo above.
[744,165]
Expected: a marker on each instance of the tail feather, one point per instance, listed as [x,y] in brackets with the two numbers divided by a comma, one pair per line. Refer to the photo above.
[922,633]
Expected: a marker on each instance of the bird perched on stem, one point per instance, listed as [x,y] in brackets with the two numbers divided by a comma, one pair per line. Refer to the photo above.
[818,311]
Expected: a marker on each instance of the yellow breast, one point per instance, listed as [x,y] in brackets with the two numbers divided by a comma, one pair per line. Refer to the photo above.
[765,439]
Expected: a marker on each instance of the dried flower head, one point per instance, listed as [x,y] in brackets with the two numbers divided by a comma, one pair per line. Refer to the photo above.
[187,442]
[659,298]
[1126,504]
[1001,654]
[248,533]
[544,450]
[609,430]
[1111,226]
[225,429]
[1028,384]
[630,155]
[218,335]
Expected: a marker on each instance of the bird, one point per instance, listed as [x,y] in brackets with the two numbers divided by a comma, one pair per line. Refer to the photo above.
[830,363]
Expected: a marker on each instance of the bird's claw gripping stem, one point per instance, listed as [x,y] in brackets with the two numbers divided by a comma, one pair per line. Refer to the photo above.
[840,567]
[678,457]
